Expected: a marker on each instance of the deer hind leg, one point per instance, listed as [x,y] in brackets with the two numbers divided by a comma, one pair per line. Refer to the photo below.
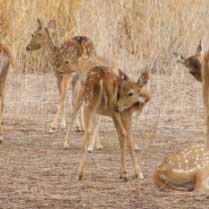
[127,121]
[1,111]
[77,104]
[122,142]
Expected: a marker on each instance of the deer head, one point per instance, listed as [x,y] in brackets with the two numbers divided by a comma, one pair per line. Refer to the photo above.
[193,63]
[132,93]
[40,36]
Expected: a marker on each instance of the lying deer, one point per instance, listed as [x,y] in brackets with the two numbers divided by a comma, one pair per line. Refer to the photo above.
[41,39]
[193,63]
[187,170]
[105,93]
[5,62]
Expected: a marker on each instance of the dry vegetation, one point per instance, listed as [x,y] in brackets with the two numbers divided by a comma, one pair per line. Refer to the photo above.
[37,172]
[131,32]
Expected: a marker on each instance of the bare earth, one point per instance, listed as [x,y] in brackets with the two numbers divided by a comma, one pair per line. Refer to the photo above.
[36,172]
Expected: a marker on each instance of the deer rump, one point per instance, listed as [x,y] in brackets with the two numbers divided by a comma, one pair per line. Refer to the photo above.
[104,83]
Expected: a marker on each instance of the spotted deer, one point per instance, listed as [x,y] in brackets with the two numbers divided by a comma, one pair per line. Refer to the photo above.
[199,68]
[5,63]
[42,39]
[105,93]
[186,170]
[193,63]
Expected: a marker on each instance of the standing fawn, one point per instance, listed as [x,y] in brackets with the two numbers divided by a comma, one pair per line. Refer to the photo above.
[5,62]
[81,61]
[41,39]
[187,170]
[105,93]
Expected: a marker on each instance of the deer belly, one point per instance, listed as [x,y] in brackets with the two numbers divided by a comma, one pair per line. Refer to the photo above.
[179,178]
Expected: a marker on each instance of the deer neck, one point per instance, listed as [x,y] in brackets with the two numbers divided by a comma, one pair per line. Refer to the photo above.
[52,52]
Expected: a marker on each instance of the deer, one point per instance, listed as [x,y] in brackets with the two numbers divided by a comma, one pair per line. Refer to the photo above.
[186,170]
[106,93]
[5,64]
[199,68]
[41,39]
[193,63]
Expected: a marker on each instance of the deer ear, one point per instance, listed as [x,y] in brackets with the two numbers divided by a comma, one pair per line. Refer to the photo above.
[123,75]
[143,78]
[51,24]
[199,48]
[39,23]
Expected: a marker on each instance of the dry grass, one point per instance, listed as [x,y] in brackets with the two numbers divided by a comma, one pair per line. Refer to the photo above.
[130,32]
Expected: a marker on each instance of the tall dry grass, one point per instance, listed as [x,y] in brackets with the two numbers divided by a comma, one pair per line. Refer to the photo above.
[130,32]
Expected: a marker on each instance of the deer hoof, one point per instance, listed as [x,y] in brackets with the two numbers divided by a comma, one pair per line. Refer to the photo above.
[52,130]
[90,149]
[80,177]
[140,176]
[66,145]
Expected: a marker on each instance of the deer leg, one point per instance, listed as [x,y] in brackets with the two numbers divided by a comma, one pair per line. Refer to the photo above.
[95,138]
[77,104]
[98,141]
[1,111]
[202,182]
[87,137]
[76,86]
[65,86]
[127,121]
[62,84]
[122,142]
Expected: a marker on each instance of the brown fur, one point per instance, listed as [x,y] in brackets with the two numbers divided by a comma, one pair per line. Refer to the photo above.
[5,62]
[186,170]
[205,88]
[100,96]
[193,63]
[77,46]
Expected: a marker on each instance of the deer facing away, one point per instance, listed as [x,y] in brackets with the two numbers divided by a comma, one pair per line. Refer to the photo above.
[5,62]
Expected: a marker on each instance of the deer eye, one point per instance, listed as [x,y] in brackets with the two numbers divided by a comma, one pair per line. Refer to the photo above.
[130,94]
[67,62]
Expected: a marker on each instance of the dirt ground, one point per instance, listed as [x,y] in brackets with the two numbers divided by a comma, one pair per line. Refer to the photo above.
[36,172]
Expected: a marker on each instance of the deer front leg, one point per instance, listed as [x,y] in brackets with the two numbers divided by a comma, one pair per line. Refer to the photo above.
[122,142]
[117,117]
[62,84]
[127,121]
[95,138]
[76,86]
[77,104]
